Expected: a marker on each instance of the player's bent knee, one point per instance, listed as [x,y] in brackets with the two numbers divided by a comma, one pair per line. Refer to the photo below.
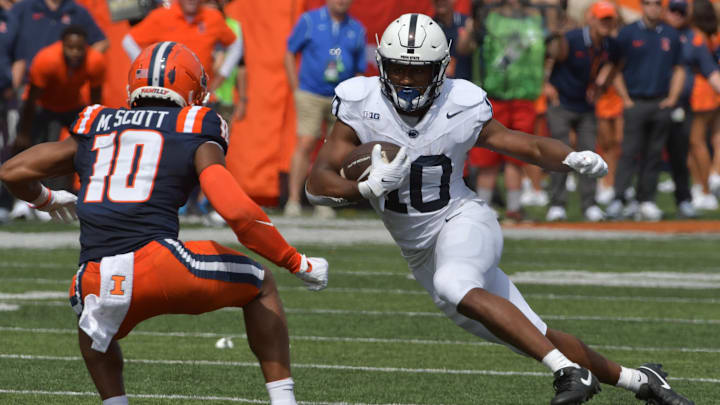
[269,286]
[452,289]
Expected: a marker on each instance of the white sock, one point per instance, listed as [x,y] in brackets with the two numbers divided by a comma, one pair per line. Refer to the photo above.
[119,400]
[513,200]
[555,360]
[281,392]
[484,194]
[631,379]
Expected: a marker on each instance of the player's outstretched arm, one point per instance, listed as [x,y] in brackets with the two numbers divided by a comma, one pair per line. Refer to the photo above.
[546,152]
[249,222]
[324,179]
[22,175]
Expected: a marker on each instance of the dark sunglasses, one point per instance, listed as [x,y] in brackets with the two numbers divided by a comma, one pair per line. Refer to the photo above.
[652,3]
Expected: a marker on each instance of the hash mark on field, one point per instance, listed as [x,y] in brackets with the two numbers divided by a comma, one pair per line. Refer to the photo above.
[341,339]
[174,397]
[329,367]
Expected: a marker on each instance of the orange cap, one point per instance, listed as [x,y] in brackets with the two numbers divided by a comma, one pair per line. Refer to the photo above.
[603,9]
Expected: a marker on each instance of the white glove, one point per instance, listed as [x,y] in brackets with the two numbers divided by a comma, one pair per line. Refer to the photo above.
[58,203]
[586,162]
[313,272]
[384,177]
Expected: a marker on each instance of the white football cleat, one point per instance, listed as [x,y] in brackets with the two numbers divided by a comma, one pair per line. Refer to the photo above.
[556,213]
[648,211]
[313,272]
[594,214]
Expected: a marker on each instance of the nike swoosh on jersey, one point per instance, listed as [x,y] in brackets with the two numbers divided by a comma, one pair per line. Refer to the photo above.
[664,383]
[264,222]
[448,115]
[447,219]
[587,381]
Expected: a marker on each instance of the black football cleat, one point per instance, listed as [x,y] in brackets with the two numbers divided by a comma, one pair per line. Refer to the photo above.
[657,391]
[574,386]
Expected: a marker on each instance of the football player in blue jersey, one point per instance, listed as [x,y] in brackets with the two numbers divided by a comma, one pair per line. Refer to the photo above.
[136,168]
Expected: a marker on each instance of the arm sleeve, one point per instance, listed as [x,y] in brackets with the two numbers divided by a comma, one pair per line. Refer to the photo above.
[250,224]
[300,34]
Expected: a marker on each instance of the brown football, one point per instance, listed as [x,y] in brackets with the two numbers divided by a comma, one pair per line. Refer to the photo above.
[356,165]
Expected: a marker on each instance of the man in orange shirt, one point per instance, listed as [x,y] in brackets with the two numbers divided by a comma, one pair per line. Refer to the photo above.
[57,75]
[193,24]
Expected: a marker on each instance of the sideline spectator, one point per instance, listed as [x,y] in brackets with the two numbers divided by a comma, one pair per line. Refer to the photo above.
[332,45]
[458,30]
[197,26]
[41,23]
[203,29]
[8,99]
[57,74]
[54,98]
[513,51]
[677,145]
[650,54]
[231,98]
[704,99]
[608,111]
[575,82]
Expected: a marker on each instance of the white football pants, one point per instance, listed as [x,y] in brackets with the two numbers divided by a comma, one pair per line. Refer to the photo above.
[466,256]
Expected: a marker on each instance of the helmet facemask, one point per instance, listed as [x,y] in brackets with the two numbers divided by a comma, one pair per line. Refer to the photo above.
[408,98]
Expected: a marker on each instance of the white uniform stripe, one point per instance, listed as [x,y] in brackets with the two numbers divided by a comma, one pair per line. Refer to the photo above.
[158,63]
[225,267]
[86,118]
[190,118]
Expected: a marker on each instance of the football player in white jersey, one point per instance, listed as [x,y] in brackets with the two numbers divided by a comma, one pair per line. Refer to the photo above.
[451,239]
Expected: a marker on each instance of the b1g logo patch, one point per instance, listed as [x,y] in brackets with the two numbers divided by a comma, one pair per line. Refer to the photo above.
[369,115]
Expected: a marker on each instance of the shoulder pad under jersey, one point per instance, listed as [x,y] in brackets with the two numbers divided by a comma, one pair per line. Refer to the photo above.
[465,93]
[356,88]
[84,122]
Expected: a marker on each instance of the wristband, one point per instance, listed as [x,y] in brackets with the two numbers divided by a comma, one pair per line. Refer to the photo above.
[43,199]
[365,190]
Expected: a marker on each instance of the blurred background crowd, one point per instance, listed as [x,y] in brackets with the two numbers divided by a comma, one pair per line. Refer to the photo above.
[636,80]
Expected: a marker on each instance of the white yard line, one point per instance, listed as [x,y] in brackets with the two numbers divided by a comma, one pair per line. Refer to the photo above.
[174,397]
[339,339]
[15,356]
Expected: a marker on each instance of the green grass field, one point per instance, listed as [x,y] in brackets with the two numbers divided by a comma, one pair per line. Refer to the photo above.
[374,337]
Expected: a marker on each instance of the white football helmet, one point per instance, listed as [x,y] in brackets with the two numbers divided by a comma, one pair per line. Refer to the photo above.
[413,39]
